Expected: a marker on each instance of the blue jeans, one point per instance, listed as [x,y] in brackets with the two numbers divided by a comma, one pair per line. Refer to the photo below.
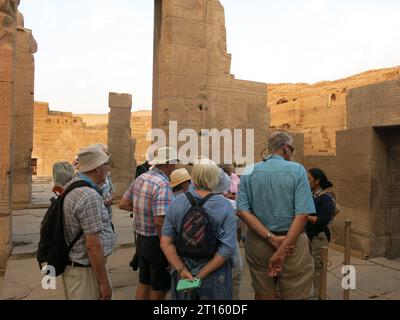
[216,286]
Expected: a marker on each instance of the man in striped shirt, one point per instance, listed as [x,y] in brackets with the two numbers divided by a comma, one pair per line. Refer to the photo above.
[149,197]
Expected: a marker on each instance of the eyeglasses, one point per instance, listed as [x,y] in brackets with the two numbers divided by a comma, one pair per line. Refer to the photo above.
[289,146]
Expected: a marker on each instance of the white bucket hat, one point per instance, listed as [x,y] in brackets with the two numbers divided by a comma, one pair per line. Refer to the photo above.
[164,156]
[91,158]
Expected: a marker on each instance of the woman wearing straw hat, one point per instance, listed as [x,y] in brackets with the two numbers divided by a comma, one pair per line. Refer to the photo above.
[180,181]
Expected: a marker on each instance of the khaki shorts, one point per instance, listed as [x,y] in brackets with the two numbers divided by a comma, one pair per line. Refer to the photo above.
[295,282]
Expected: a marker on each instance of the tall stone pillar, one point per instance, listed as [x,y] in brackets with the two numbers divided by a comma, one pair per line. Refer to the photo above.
[192,80]
[120,144]
[8,30]
[23,121]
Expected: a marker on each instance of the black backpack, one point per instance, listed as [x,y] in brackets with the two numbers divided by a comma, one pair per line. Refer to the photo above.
[53,249]
[196,238]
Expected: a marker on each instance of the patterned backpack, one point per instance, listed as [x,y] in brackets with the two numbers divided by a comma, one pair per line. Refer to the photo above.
[196,238]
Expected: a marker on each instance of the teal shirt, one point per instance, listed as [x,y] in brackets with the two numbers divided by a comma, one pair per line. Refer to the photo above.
[275,191]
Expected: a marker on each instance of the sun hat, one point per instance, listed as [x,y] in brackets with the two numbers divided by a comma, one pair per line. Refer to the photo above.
[164,156]
[151,151]
[179,176]
[91,158]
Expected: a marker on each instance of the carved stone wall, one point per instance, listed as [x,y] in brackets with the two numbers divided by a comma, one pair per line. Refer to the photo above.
[8,31]
[24,97]
[193,84]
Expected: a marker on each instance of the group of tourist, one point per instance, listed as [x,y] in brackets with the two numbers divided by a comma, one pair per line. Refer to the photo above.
[188,222]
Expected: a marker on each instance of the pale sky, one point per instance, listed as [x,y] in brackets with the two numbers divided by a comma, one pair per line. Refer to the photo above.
[88,48]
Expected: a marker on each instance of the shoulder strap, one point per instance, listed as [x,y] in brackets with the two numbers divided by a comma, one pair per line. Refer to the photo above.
[205,199]
[191,199]
[78,236]
[75,185]
[202,202]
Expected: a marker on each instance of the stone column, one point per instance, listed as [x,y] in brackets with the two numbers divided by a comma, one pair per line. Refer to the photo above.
[23,120]
[192,80]
[8,29]
[120,144]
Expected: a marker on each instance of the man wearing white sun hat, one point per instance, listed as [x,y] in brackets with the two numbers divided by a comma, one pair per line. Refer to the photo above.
[86,276]
[150,195]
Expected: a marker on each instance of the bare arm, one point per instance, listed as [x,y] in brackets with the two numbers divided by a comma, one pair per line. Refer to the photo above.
[159,221]
[98,263]
[211,266]
[167,246]
[169,250]
[125,204]
[277,260]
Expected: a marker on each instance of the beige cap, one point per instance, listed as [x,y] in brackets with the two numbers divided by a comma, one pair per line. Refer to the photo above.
[164,155]
[179,176]
[91,158]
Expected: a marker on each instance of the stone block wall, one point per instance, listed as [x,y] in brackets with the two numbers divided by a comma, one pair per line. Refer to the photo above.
[58,136]
[192,80]
[366,170]
[374,105]
[317,117]
[319,110]
[8,32]
[120,144]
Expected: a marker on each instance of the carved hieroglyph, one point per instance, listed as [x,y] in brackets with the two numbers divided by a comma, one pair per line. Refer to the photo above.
[192,81]
[8,29]
[23,120]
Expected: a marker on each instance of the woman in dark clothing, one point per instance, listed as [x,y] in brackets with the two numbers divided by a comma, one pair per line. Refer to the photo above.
[317,225]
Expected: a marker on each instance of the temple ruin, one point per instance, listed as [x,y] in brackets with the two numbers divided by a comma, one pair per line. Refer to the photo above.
[60,135]
[192,81]
[350,128]
[365,170]
[318,111]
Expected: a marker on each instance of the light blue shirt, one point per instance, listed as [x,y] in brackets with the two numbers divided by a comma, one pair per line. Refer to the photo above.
[222,218]
[276,191]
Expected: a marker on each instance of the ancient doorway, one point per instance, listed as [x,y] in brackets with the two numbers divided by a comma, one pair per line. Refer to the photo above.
[390,136]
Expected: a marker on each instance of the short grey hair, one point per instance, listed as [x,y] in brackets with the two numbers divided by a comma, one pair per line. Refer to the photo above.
[278,139]
[205,174]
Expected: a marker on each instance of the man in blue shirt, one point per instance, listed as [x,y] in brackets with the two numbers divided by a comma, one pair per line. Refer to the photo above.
[274,200]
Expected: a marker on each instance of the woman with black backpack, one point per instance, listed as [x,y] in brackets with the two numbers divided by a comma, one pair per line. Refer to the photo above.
[317,225]
[199,239]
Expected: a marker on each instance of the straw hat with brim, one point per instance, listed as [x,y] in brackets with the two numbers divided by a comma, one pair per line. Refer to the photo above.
[91,158]
[179,176]
[164,156]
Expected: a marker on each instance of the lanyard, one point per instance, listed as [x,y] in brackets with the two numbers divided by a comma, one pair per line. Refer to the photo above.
[88,180]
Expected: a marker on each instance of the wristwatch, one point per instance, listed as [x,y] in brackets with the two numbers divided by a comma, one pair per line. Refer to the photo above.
[269,236]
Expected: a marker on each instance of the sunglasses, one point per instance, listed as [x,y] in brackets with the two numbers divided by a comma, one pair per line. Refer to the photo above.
[291,148]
